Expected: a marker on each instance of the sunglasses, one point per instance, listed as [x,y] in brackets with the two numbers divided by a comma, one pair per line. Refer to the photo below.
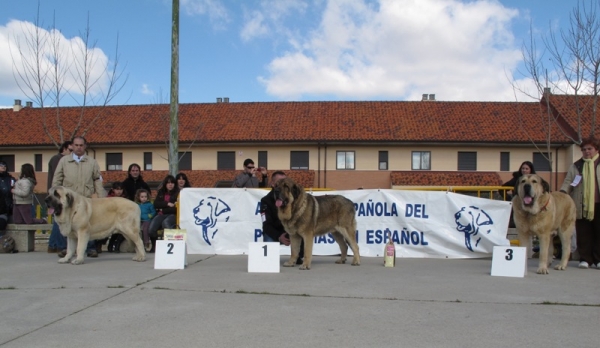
[250,167]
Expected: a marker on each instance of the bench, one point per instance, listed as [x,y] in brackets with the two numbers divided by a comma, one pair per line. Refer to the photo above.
[24,235]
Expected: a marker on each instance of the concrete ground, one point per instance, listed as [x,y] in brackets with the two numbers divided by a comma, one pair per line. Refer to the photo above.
[112,301]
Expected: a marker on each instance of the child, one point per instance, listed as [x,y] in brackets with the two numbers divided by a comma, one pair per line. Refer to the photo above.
[114,245]
[117,190]
[23,194]
[142,197]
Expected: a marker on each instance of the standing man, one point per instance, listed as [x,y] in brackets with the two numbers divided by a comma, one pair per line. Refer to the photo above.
[81,174]
[273,230]
[248,177]
[57,241]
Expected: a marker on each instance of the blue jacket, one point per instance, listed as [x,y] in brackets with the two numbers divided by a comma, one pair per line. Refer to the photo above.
[148,211]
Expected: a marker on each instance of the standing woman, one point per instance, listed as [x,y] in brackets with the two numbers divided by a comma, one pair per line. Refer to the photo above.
[582,183]
[134,181]
[23,192]
[525,168]
[166,210]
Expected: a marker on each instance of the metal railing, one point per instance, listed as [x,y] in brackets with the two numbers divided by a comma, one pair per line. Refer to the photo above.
[491,192]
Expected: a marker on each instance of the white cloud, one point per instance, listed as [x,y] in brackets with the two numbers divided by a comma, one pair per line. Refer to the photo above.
[146,90]
[18,56]
[270,19]
[216,11]
[401,50]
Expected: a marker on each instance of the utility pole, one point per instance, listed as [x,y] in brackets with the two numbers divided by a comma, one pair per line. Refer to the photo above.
[174,110]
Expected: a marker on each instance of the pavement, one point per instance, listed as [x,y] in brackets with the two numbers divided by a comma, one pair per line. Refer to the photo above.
[111,301]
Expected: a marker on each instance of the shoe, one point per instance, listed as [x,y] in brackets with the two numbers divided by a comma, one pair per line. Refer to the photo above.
[148,247]
[595,265]
[92,253]
[584,265]
[62,253]
[52,250]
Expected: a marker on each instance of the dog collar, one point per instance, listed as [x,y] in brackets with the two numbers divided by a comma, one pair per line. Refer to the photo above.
[545,205]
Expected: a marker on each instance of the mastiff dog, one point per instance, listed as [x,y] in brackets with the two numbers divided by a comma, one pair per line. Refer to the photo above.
[544,214]
[82,219]
[305,216]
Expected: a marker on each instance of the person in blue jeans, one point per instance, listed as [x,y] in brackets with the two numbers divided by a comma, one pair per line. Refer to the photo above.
[57,242]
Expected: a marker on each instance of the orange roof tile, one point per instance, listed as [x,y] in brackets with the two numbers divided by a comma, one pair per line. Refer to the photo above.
[443,178]
[370,121]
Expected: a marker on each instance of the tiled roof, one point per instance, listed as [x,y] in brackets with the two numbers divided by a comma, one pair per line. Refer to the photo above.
[206,178]
[442,178]
[370,121]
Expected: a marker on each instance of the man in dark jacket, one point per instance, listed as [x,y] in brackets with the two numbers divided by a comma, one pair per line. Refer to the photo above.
[57,242]
[134,181]
[6,184]
[273,230]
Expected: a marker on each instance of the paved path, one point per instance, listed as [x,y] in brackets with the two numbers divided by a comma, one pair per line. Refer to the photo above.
[114,302]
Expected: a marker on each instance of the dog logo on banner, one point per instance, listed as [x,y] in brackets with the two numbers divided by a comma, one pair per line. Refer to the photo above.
[208,213]
[470,220]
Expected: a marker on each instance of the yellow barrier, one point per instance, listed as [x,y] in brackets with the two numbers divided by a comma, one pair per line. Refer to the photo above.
[488,190]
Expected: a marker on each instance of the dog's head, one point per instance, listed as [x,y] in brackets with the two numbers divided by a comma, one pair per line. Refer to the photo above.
[529,189]
[286,191]
[59,198]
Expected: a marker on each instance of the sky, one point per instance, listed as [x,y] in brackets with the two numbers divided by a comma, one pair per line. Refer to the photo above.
[277,50]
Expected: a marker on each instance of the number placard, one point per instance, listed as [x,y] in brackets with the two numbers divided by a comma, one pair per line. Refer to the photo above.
[509,261]
[263,257]
[170,254]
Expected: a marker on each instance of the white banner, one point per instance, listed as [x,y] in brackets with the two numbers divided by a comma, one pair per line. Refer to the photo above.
[422,224]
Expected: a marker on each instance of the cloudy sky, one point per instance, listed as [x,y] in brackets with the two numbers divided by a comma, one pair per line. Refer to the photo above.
[277,50]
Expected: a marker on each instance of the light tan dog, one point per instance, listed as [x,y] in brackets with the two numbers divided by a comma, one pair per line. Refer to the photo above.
[305,216]
[81,219]
[542,213]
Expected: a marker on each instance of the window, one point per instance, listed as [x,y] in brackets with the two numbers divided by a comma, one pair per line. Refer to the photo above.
[225,160]
[345,160]
[147,160]
[298,159]
[504,161]
[383,160]
[114,161]
[541,161]
[38,162]
[10,162]
[421,160]
[467,161]
[262,159]
[185,160]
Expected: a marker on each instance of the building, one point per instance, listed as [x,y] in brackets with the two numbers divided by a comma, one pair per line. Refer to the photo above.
[340,145]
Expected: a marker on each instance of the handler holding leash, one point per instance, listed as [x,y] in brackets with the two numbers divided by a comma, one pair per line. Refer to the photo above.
[273,230]
[81,174]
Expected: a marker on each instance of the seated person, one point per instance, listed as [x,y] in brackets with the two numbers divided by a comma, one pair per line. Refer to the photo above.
[166,211]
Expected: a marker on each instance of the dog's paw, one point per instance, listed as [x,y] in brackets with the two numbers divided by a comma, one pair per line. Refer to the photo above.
[77,262]
[560,267]
[140,258]
[542,270]
[341,261]
[304,267]
[63,260]
[289,264]
[356,263]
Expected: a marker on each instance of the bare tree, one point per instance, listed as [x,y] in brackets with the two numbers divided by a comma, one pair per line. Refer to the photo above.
[569,63]
[46,74]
